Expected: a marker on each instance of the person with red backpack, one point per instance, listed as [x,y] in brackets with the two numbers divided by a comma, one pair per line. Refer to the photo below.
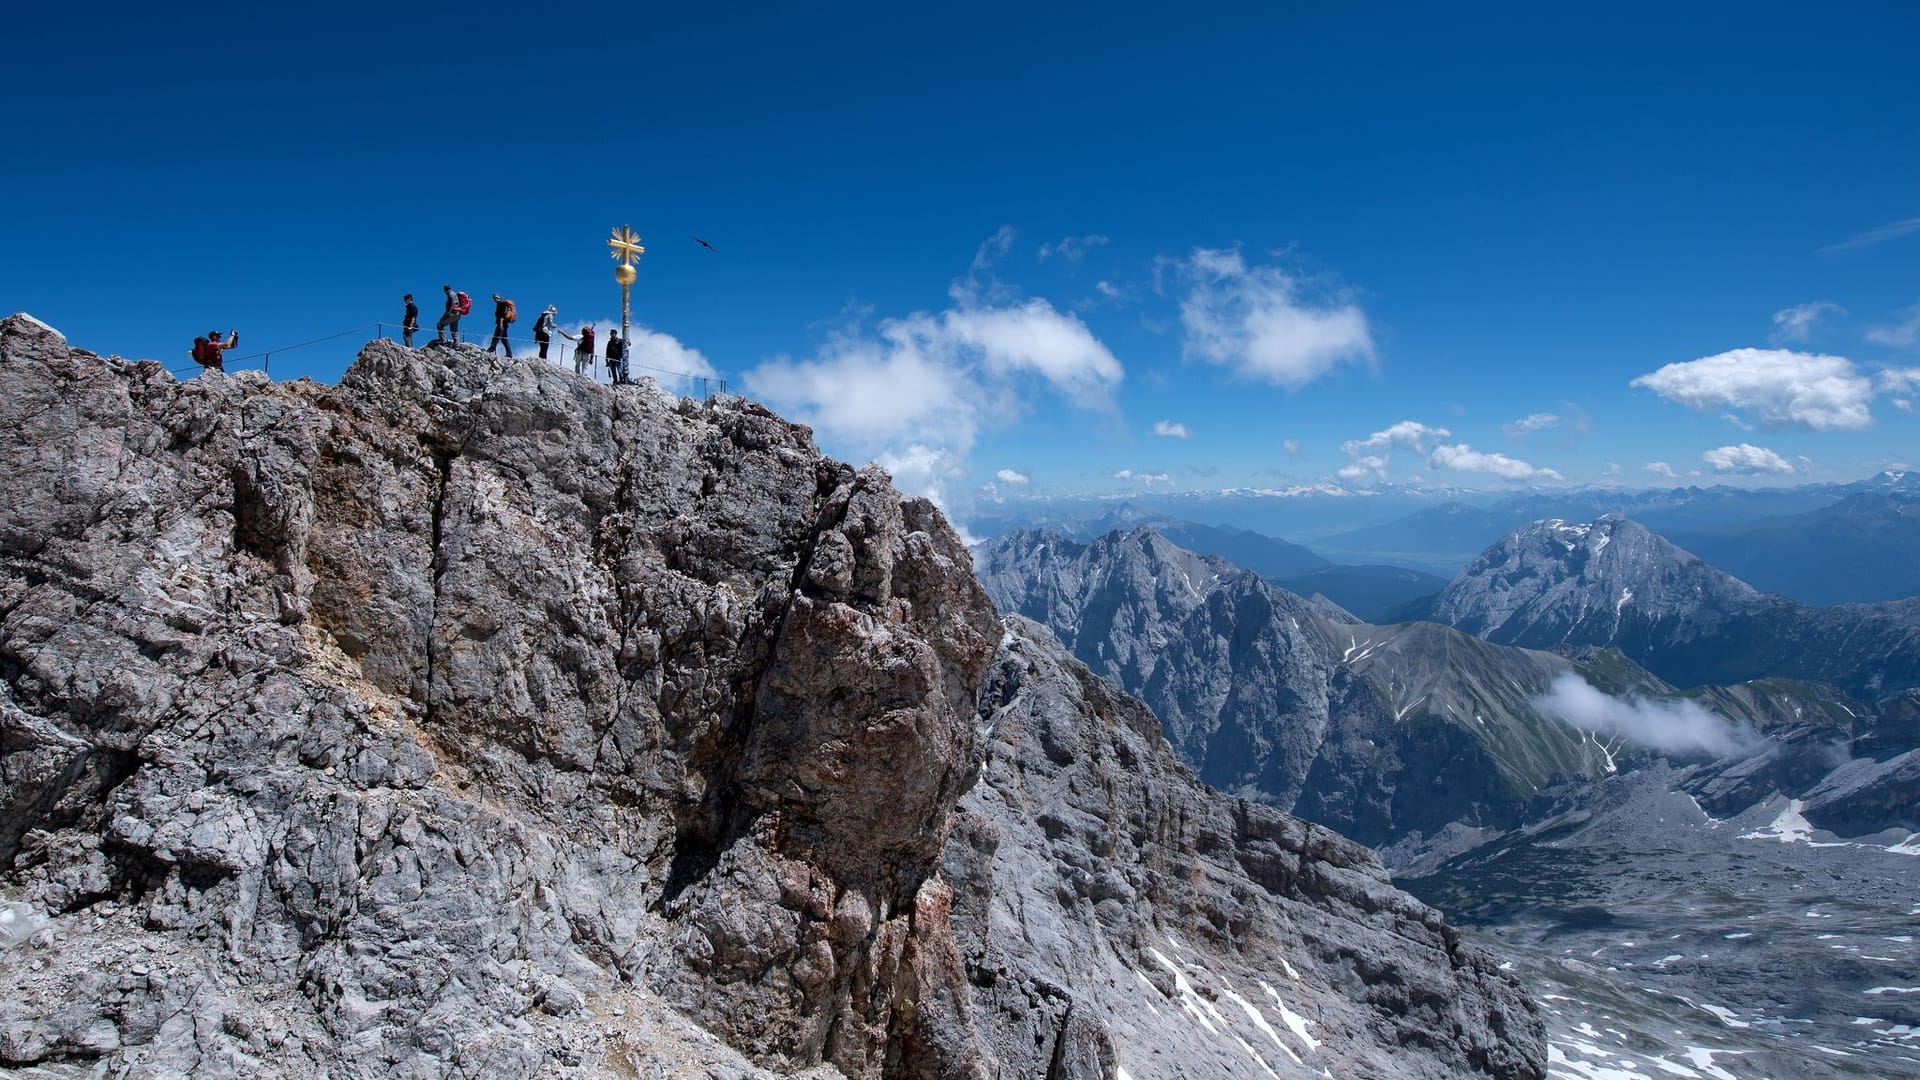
[207,350]
[583,354]
[503,316]
[458,304]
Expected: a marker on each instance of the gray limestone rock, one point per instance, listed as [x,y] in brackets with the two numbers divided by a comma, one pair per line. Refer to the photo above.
[1109,907]
[468,718]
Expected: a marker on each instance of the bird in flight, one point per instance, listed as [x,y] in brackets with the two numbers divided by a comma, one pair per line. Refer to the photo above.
[706,245]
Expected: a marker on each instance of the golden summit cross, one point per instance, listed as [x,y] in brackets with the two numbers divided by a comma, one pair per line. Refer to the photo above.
[626,246]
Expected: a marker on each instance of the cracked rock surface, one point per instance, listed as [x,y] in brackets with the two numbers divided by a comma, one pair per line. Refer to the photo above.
[470,719]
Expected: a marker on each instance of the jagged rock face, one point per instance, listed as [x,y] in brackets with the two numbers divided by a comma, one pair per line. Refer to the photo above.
[1114,914]
[438,700]
[1172,627]
[1379,732]
[472,719]
[1553,581]
[1555,585]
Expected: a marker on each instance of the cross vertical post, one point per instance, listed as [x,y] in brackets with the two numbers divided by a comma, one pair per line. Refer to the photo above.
[627,251]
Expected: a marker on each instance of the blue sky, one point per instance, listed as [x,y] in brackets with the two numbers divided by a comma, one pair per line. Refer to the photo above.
[1001,246]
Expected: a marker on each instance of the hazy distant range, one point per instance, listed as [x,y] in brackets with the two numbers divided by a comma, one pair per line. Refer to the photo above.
[1371,549]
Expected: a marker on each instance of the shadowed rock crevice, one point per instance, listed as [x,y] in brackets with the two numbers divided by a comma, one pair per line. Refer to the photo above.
[443,459]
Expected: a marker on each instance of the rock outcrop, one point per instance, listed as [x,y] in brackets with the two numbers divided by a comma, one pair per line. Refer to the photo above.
[468,718]
[1101,892]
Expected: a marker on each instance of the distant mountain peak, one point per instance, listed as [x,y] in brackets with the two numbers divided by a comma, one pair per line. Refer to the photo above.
[1555,584]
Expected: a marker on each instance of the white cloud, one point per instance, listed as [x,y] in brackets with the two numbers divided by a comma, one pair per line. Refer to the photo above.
[1409,434]
[1143,478]
[936,472]
[1678,726]
[1365,467]
[1796,323]
[916,391]
[1612,468]
[1746,458]
[1786,388]
[663,357]
[1255,320]
[972,290]
[1106,289]
[1291,446]
[1890,231]
[1171,430]
[1010,476]
[1527,425]
[1902,335]
[1031,336]
[1073,248]
[871,392]
[1660,469]
[1466,459]
[1903,404]
[1899,380]
[940,370]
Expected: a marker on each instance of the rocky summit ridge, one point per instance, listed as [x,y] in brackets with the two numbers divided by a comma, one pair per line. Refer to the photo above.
[471,719]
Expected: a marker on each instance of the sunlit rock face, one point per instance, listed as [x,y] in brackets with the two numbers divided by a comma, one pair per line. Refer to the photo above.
[468,718]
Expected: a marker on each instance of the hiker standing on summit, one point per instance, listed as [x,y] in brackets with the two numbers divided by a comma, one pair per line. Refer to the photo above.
[450,318]
[543,329]
[411,321]
[583,353]
[503,316]
[616,358]
[207,350]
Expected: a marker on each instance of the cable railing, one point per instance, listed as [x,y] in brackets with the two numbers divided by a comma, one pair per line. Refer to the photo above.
[561,349]
[265,356]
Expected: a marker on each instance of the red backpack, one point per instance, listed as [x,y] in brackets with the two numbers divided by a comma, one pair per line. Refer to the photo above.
[200,350]
[466,302]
